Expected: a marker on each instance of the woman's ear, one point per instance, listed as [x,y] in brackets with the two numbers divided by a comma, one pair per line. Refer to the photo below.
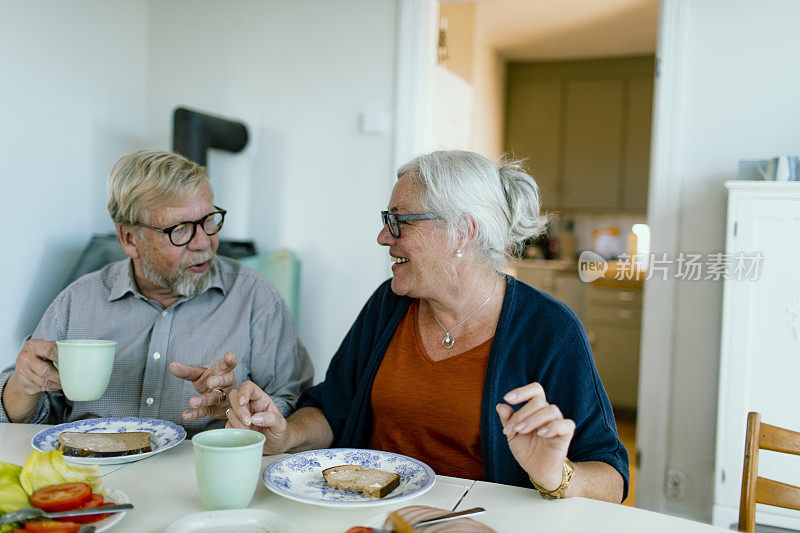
[468,229]
[128,240]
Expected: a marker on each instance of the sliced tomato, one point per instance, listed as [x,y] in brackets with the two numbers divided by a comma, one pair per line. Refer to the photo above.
[64,497]
[95,501]
[49,526]
[360,529]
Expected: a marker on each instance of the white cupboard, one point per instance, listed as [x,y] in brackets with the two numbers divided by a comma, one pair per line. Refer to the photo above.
[760,347]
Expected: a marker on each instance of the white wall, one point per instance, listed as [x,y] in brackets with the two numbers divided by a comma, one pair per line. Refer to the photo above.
[488,131]
[71,101]
[467,108]
[739,101]
[452,105]
[489,75]
[299,74]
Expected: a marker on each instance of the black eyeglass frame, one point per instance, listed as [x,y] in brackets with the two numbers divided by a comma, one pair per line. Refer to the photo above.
[386,216]
[199,222]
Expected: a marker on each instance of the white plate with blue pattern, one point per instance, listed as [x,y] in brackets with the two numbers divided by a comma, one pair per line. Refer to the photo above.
[299,477]
[116,496]
[163,436]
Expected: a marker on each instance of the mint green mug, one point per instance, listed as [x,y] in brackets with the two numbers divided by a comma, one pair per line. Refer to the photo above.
[84,368]
[227,463]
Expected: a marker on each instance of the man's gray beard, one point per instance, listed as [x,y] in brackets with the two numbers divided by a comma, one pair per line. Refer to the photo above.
[183,282]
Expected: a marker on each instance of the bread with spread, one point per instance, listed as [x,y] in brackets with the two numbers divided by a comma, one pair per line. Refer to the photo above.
[371,482]
[104,444]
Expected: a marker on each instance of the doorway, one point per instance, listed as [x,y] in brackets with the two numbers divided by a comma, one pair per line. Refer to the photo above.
[538,79]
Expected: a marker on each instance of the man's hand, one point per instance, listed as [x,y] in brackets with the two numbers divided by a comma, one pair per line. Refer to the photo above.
[252,408]
[34,373]
[538,434]
[34,370]
[213,383]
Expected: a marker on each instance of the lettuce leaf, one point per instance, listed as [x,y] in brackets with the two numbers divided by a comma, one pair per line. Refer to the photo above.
[12,495]
[49,468]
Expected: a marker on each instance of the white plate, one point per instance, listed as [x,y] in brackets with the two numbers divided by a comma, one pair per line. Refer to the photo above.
[116,496]
[239,520]
[299,477]
[163,436]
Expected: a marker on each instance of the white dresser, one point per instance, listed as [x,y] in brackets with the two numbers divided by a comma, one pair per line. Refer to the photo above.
[760,350]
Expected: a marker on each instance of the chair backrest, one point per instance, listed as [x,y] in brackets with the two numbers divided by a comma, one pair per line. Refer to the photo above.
[757,489]
[282,268]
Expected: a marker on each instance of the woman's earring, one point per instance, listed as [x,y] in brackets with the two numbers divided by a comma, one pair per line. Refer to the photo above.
[458,253]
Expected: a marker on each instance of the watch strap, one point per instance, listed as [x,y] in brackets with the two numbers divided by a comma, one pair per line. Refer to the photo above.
[567,472]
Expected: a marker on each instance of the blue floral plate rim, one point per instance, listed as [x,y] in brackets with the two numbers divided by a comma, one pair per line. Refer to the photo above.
[299,477]
[164,435]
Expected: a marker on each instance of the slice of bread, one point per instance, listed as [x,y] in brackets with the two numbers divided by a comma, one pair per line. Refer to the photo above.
[371,482]
[104,444]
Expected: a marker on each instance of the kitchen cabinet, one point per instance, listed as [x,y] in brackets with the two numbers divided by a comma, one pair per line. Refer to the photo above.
[535,132]
[584,129]
[616,356]
[636,161]
[760,341]
[613,319]
[592,144]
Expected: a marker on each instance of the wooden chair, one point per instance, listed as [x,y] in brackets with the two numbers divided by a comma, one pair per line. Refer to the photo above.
[757,489]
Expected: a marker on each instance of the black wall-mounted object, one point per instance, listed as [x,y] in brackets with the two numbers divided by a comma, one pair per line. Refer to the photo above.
[193,133]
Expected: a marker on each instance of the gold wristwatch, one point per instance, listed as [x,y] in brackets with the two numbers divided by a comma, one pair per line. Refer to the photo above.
[566,478]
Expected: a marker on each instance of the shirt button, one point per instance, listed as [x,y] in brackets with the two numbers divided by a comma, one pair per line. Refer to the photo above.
[164,313]
[149,401]
[156,356]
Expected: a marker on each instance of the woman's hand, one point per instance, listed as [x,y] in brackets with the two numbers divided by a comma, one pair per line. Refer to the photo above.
[538,434]
[252,408]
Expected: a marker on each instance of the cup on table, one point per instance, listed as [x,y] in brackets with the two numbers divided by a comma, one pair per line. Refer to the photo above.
[227,463]
[84,368]
[781,168]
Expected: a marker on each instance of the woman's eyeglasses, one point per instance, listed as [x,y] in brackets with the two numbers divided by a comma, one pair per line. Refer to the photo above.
[393,220]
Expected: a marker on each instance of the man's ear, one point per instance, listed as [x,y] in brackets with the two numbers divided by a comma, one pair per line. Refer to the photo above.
[128,240]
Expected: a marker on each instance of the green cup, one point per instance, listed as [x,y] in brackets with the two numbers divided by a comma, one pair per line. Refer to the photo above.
[84,368]
[227,463]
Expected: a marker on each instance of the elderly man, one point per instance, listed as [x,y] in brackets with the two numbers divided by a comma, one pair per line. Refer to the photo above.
[173,304]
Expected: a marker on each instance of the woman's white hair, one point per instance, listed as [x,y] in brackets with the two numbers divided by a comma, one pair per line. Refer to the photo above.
[146,180]
[502,199]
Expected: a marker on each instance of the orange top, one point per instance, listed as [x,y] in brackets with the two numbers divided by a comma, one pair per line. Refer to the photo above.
[430,410]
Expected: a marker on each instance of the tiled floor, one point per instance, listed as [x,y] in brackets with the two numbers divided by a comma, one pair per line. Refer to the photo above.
[626,428]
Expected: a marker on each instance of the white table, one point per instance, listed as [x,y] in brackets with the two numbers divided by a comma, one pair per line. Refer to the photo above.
[163,488]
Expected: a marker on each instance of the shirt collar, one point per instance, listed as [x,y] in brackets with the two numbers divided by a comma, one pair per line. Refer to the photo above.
[123,281]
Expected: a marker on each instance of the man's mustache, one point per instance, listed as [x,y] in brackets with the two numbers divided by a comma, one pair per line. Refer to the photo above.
[197,258]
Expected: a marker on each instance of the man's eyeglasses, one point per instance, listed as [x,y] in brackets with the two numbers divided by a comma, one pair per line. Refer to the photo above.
[181,234]
[393,220]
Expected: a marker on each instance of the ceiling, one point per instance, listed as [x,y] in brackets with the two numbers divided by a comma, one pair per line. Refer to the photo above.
[536,30]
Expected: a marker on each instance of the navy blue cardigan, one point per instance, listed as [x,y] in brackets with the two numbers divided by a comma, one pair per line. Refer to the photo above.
[537,339]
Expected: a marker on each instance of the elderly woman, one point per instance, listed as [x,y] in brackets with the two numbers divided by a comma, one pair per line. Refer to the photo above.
[451,362]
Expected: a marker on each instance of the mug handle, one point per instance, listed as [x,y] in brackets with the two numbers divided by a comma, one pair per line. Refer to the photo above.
[762,172]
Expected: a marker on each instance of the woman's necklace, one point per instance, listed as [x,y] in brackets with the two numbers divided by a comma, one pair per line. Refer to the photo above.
[448,341]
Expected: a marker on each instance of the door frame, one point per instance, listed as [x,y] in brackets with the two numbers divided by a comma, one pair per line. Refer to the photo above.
[673,64]
[416,50]
[417,34]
